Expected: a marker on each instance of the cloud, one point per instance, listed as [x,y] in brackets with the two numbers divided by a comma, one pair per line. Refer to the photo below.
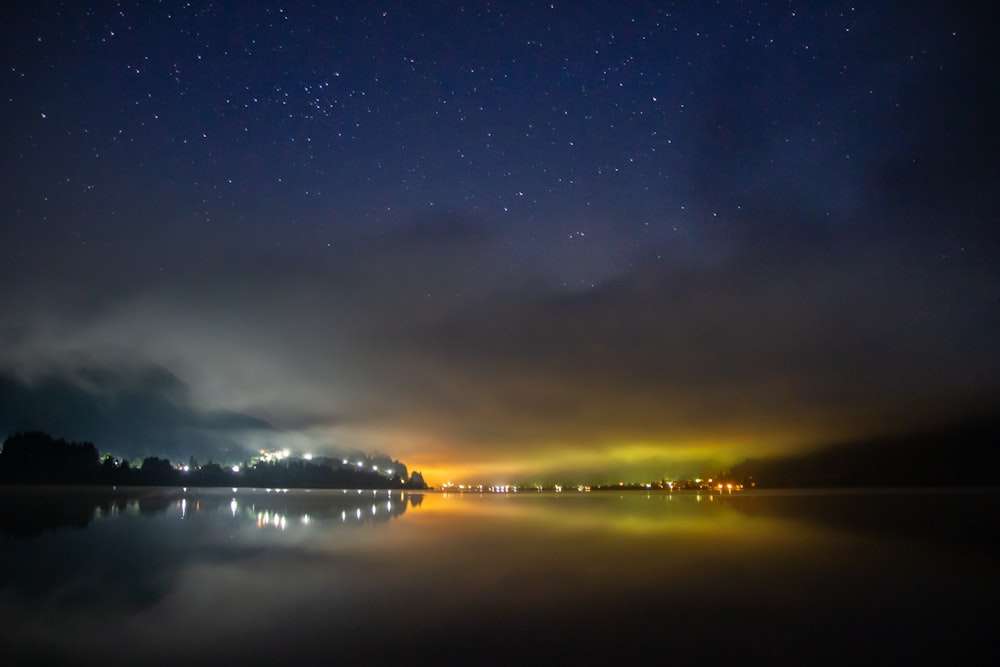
[683,356]
[422,344]
[129,411]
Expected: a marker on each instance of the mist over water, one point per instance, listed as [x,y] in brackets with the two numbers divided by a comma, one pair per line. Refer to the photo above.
[158,576]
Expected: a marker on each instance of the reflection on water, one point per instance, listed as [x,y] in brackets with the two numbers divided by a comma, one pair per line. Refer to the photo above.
[138,541]
[387,577]
[31,511]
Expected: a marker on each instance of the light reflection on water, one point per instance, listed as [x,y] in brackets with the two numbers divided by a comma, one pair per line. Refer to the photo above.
[196,574]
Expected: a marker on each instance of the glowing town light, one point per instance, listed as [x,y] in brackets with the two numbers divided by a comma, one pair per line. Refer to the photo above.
[232,506]
[307,457]
[360,464]
[375,468]
[345,462]
[236,468]
[286,453]
[186,468]
[389,473]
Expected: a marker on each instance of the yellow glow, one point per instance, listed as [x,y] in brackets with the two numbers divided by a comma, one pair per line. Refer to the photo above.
[638,454]
[632,462]
[655,514]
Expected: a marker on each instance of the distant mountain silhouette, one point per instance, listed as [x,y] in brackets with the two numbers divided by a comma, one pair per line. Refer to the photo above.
[965,453]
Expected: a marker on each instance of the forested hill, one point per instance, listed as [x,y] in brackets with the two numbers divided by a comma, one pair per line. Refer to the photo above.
[38,458]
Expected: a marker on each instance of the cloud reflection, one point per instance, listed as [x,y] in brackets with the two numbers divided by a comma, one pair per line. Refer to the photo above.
[335,574]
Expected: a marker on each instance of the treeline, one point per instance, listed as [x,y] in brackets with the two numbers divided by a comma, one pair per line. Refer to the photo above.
[38,458]
[960,454]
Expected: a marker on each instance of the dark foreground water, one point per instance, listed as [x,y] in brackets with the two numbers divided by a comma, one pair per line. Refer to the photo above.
[156,576]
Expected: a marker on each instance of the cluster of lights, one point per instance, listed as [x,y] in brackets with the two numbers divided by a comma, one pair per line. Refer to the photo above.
[478,488]
[361,464]
[269,456]
[710,484]
[278,455]
[720,486]
[503,488]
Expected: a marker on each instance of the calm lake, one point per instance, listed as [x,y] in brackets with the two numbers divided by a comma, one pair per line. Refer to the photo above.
[167,576]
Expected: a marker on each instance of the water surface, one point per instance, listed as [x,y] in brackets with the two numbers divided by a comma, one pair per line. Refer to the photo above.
[162,576]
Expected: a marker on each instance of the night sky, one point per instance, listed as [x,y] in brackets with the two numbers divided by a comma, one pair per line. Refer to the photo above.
[497,240]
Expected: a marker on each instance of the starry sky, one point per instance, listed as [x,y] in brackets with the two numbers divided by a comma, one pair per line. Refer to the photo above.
[497,240]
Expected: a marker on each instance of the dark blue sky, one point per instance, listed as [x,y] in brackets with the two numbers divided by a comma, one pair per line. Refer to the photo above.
[497,237]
